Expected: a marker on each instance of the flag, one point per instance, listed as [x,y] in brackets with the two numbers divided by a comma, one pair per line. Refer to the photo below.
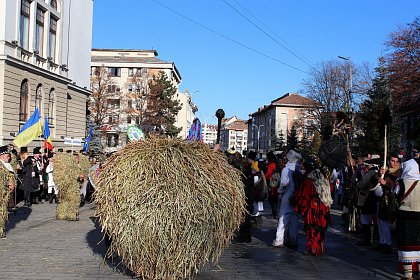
[47,136]
[86,145]
[30,131]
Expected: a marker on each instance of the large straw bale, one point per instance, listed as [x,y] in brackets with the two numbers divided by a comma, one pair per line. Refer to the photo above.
[169,206]
[66,172]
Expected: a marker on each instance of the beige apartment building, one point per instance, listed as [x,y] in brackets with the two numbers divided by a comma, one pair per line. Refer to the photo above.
[290,111]
[130,71]
[44,63]
[234,134]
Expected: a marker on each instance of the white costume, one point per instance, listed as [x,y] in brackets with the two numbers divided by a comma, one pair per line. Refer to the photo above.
[51,184]
[288,218]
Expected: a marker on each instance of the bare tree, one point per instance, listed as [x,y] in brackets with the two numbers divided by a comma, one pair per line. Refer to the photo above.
[103,89]
[139,89]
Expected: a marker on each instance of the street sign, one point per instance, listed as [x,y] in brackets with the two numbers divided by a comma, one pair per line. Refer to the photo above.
[73,142]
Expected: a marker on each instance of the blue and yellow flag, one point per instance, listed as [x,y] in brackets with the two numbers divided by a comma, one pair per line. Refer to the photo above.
[30,131]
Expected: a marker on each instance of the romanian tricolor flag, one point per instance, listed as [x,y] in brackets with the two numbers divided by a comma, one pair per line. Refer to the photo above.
[30,131]
[47,136]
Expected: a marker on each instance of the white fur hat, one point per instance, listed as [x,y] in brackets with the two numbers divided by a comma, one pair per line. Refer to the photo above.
[293,156]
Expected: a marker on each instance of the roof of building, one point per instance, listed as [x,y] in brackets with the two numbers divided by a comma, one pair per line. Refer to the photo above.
[122,59]
[290,100]
[237,125]
[124,50]
[295,99]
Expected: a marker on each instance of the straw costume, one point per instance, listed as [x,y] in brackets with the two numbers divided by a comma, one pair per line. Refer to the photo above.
[66,173]
[7,179]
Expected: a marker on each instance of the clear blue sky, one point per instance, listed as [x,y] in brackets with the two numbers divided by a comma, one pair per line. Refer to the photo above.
[223,74]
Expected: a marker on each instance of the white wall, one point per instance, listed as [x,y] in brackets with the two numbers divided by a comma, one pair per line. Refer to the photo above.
[77,39]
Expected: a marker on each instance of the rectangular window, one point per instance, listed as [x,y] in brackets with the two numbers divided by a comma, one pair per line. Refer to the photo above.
[24,24]
[39,32]
[52,39]
[128,119]
[114,71]
[130,72]
[130,103]
[130,87]
[113,88]
[137,120]
[114,104]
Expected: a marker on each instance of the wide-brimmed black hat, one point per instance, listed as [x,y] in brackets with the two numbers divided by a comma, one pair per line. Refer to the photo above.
[252,155]
[375,159]
[37,150]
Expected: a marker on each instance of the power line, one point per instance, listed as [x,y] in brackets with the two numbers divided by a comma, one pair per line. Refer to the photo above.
[229,39]
[268,35]
[272,31]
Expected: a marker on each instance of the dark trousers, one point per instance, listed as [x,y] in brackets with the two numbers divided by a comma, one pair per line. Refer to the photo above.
[27,197]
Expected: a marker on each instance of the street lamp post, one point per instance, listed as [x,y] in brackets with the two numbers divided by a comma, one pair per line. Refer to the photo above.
[258,136]
[348,96]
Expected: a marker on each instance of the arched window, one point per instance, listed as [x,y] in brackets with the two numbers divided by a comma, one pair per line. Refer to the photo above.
[51,107]
[38,98]
[23,110]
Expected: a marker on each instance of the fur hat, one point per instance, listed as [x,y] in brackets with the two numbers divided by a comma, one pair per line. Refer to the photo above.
[4,150]
[231,151]
[293,156]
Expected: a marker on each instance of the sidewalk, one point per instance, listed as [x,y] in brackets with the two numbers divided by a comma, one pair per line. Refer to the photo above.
[40,247]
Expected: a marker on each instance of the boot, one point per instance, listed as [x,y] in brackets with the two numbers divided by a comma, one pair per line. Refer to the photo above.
[51,198]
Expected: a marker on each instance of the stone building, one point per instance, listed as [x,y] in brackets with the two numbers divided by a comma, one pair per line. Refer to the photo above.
[45,64]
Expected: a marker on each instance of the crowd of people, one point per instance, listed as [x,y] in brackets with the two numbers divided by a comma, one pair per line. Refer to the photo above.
[374,198]
[29,178]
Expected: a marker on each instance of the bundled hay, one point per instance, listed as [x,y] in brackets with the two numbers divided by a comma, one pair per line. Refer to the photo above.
[168,206]
[84,165]
[66,172]
[5,178]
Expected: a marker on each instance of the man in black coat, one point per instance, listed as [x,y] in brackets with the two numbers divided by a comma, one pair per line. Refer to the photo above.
[30,176]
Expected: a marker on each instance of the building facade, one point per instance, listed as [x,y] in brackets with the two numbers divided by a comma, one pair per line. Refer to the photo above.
[129,72]
[209,133]
[290,112]
[234,135]
[186,115]
[45,64]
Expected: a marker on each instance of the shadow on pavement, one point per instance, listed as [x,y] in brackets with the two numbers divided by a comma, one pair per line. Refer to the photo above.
[340,246]
[16,216]
[99,245]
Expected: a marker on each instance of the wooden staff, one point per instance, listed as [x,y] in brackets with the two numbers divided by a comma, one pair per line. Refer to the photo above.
[385,151]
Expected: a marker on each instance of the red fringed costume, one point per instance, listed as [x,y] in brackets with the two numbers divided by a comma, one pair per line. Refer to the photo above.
[316,216]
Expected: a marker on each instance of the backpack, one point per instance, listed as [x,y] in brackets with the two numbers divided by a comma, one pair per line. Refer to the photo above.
[274,183]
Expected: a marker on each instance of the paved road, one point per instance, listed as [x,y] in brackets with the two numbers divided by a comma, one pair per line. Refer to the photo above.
[40,247]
